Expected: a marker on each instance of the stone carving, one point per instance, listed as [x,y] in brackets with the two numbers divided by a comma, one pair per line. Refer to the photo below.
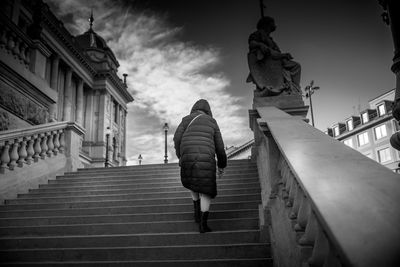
[22,107]
[272,71]
[4,121]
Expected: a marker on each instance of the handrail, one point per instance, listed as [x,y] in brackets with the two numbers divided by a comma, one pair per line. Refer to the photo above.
[341,203]
[23,146]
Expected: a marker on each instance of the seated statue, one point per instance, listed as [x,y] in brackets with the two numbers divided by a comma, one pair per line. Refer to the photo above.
[272,71]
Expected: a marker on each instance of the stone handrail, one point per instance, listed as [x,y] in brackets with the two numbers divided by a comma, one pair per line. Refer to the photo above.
[23,146]
[14,41]
[327,204]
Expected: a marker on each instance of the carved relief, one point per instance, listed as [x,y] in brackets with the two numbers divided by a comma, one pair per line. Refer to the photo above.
[21,106]
[4,121]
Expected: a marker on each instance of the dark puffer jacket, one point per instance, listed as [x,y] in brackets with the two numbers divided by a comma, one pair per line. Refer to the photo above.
[196,147]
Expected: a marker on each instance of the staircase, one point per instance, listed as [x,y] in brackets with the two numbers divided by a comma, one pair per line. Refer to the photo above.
[133,216]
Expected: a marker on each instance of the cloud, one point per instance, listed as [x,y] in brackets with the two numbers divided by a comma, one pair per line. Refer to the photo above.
[166,75]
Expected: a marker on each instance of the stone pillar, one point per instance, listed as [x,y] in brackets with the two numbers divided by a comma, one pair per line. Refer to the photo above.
[67,111]
[79,100]
[54,85]
[73,136]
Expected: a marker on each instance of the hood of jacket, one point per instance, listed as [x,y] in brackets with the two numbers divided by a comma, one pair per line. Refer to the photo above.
[202,105]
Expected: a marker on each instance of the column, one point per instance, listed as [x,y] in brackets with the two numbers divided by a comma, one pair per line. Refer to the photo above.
[79,102]
[67,96]
[53,85]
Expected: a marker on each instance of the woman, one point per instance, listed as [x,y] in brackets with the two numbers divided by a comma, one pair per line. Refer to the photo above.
[197,140]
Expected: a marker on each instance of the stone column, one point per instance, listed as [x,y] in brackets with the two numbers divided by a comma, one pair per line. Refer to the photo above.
[67,111]
[79,100]
[53,85]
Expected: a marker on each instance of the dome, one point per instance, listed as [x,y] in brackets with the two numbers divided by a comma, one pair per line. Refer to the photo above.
[90,39]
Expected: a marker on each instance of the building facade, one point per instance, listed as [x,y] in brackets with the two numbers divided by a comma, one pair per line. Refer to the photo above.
[370,131]
[47,75]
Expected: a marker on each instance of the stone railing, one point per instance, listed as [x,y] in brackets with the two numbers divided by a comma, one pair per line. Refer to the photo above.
[25,146]
[14,41]
[323,203]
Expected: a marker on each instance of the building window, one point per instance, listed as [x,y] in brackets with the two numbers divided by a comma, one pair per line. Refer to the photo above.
[384,155]
[336,131]
[363,139]
[348,142]
[349,124]
[115,111]
[381,110]
[380,132]
[364,117]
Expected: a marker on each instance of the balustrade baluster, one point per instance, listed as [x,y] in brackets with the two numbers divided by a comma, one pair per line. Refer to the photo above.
[310,233]
[37,149]
[5,157]
[43,146]
[296,202]
[302,216]
[293,186]
[30,151]
[22,153]
[14,155]
[3,38]
[15,49]
[10,42]
[22,52]
[56,142]
[321,248]
[27,56]
[62,141]
[50,144]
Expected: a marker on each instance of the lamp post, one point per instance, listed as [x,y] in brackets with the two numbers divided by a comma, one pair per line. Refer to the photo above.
[140,159]
[166,128]
[108,131]
[309,92]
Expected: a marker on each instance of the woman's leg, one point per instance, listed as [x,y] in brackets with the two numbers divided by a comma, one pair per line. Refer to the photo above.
[196,205]
[205,202]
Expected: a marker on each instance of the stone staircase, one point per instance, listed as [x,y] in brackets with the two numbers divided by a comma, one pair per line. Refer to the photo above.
[133,216]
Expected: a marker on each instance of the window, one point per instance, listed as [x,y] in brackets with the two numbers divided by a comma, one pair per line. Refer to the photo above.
[336,131]
[363,139]
[364,117]
[380,132]
[384,155]
[115,111]
[350,125]
[381,110]
[348,142]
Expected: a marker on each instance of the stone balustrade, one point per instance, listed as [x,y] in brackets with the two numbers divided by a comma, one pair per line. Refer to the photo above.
[15,42]
[25,146]
[324,204]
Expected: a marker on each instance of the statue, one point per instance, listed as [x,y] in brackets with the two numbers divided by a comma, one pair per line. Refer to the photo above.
[272,71]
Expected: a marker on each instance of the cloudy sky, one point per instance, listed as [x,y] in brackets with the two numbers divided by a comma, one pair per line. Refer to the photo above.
[178,51]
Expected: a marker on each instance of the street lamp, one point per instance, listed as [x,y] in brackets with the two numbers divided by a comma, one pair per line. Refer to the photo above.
[108,131]
[166,128]
[309,92]
[140,159]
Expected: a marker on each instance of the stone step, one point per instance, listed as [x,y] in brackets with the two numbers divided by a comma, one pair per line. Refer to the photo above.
[120,170]
[116,203]
[134,184]
[124,180]
[147,175]
[189,252]
[128,228]
[159,208]
[223,192]
[123,218]
[128,240]
[125,190]
[254,262]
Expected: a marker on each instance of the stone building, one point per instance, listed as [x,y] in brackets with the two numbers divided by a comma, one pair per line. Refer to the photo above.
[60,95]
[370,131]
